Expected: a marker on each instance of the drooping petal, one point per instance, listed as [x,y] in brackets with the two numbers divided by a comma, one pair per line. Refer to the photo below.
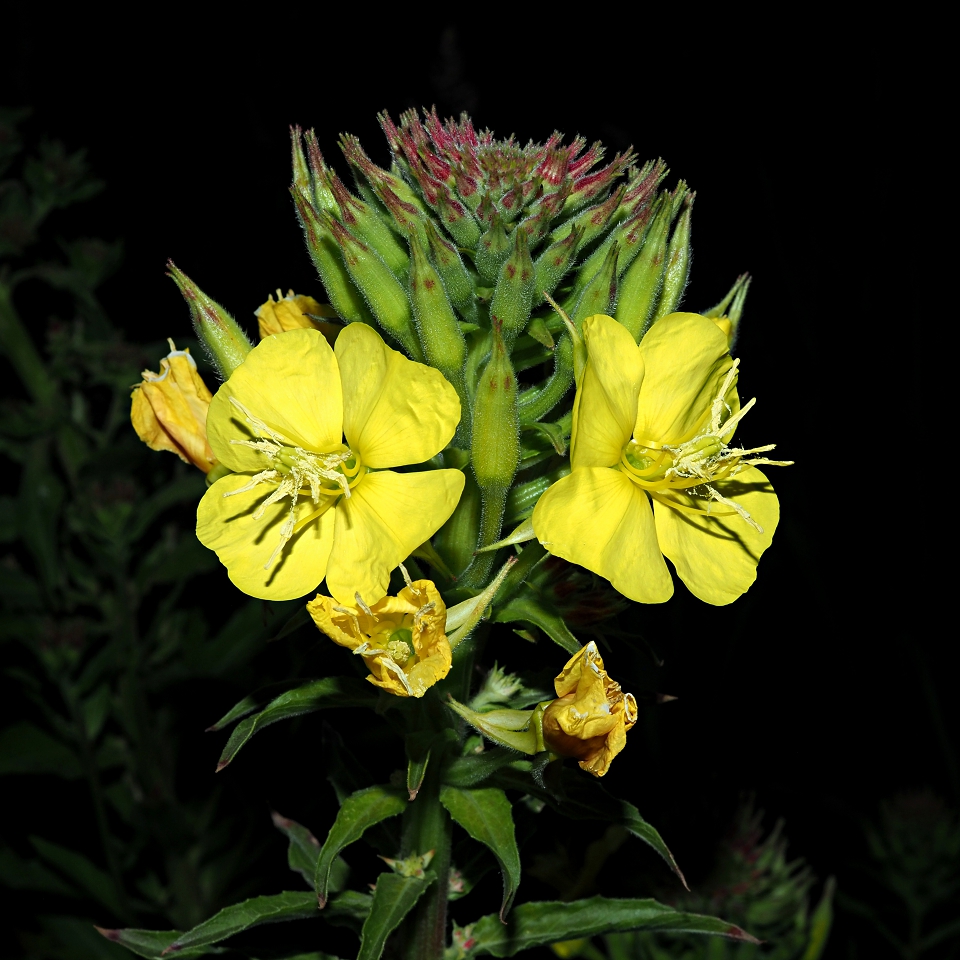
[291,382]
[395,411]
[597,518]
[716,557]
[606,407]
[387,518]
[685,358]
[244,545]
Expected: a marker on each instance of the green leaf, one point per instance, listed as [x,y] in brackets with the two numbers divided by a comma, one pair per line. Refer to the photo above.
[242,916]
[527,608]
[583,798]
[304,851]
[25,748]
[251,702]
[317,695]
[348,909]
[820,923]
[20,874]
[487,815]
[476,767]
[393,899]
[536,924]
[150,943]
[358,813]
[89,877]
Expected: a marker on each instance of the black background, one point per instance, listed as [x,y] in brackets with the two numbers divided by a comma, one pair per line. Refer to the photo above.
[824,689]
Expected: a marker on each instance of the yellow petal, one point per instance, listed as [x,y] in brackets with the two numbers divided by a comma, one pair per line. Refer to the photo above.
[597,518]
[244,545]
[387,518]
[716,557]
[685,359]
[395,411]
[607,395]
[289,381]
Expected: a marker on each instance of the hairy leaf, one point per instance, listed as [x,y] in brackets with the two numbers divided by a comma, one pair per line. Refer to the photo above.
[527,608]
[393,898]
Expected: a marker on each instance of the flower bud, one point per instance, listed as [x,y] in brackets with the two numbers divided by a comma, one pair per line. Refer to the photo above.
[328,260]
[226,343]
[726,315]
[169,410]
[294,313]
[678,262]
[590,718]
[552,265]
[456,279]
[600,293]
[496,428]
[640,284]
[492,250]
[513,294]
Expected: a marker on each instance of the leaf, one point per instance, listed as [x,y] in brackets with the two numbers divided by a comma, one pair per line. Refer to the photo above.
[820,923]
[348,909]
[149,943]
[476,767]
[242,916]
[20,874]
[553,432]
[584,799]
[25,748]
[86,875]
[304,851]
[527,608]
[393,898]
[358,812]
[487,815]
[536,924]
[250,703]
[317,695]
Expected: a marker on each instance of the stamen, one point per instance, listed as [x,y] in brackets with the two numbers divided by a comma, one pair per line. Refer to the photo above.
[736,506]
[363,606]
[255,481]
[390,665]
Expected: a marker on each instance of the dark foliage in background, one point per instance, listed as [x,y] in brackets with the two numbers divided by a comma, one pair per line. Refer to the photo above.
[116,630]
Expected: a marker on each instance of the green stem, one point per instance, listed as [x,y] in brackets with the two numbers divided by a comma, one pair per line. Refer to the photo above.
[494,500]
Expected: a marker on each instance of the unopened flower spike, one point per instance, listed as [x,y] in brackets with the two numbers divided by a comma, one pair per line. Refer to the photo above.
[169,410]
[654,469]
[402,639]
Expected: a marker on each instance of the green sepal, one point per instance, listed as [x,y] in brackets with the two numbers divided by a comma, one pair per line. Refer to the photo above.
[539,923]
[317,695]
[394,897]
[487,815]
[357,814]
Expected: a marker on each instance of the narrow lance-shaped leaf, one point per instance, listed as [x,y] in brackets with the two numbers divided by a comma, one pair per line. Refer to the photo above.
[304,851]
[535,924]
[318,695]
[358,813]
[394,897]
[487,816]
[150,943]
[527,608]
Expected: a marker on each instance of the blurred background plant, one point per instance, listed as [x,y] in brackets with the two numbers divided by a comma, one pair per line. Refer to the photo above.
[102,630]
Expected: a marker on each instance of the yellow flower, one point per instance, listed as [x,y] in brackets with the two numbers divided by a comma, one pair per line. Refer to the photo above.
[169,410]
[590,718]
[401,638]
[309,433]
[291,313]
[653,425]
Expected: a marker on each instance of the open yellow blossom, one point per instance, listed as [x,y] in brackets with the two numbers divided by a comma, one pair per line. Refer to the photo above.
[169,410]
[310,434]
[401,638]
[652,429]
[294,312]
[590,718]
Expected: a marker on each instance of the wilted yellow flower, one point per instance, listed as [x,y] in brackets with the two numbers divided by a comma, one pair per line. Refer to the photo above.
[169,410]
[401,638]
[590,718]
[291,313]
[653,426]
[310,434]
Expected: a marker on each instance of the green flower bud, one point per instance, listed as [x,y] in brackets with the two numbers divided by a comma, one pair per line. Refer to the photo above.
[552,265]
[600,294]
[456,279]
[456,540]
[492,250]
[387,299]
[727,315]
[328,260]
[640,286]
[513,294]
[226,343]
[678,262]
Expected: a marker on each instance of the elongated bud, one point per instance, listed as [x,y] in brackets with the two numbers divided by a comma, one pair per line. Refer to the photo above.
[593,220]
[508,728]
[457,539]
[726,314]
[492,250]
[366,224]
[513,295]
[301,169]
[457,218]
[640,286]
[226,343]
[443,344]
[321,196]
[456,279]
[552,265]
[328,260]
[600,294]
[678,262]
[387,299]
[495,448]
[628,235]
[377,177]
